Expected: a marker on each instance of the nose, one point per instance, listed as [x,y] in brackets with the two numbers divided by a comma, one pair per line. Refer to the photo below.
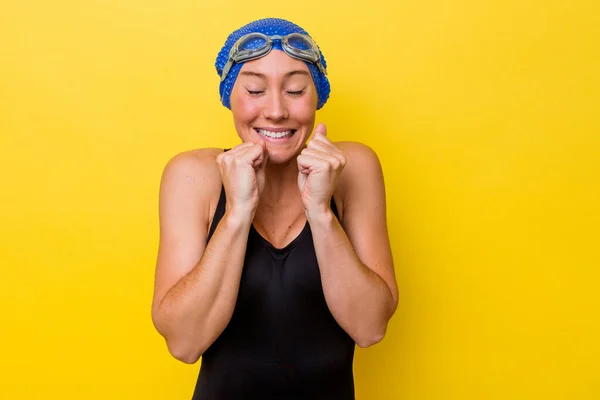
[275,107]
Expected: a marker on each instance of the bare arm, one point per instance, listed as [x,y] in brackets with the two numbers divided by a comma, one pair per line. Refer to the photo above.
[196,284]
[355,261]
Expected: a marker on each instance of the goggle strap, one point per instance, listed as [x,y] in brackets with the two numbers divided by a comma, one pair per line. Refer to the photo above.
[226,69]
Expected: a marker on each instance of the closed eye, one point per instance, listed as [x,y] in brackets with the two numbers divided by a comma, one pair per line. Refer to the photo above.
[296,93]
[255,92]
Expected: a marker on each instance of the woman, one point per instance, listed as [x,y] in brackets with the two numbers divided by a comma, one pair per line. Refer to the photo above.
[274,257]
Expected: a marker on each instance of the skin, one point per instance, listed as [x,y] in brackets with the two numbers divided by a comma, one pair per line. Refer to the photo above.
[276,186]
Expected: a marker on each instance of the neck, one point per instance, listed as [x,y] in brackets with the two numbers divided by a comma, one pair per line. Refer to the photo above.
[281,183]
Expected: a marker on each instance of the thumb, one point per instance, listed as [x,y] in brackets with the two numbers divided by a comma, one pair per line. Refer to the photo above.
[321,128]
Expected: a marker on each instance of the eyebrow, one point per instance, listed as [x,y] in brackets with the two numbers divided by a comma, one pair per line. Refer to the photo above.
[287,75]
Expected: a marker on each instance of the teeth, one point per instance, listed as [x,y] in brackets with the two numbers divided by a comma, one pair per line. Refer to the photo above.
[276,135]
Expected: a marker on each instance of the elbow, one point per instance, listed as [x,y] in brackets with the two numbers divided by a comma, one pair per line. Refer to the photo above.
[184,352]
[180,349]
[371,337]
[372,333]
[370,340]
[376,335]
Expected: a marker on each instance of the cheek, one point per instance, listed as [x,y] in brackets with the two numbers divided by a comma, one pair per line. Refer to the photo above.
[308,107]
[243,110]
[304,110]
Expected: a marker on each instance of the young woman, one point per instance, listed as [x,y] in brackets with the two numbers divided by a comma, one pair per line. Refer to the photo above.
[274,256]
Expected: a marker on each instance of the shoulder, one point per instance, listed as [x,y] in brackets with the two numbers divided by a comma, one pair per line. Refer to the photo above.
[193,161]
[361,180]
[355,149]
[194,166]
[192,177]
[362,163]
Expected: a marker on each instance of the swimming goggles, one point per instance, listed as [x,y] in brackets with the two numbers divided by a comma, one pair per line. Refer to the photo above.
[256,45]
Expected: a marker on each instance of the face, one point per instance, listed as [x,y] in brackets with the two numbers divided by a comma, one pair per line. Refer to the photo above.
[274,100]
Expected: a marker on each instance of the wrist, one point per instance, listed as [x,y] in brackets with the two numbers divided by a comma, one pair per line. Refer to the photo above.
[319,215]
[238,218]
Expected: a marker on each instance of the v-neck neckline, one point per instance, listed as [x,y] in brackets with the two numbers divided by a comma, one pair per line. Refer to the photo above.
[288,246]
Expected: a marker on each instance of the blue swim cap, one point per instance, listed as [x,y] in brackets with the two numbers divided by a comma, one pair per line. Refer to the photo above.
[267,26]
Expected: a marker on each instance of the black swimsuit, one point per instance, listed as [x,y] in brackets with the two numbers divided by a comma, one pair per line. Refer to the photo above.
[282,341]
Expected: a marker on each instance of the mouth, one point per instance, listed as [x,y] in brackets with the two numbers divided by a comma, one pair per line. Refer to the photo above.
[276,134]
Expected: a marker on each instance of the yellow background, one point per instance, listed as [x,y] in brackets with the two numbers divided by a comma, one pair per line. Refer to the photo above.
[484,114]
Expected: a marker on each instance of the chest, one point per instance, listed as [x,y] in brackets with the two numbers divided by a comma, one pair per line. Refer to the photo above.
[280,226]
[278,273]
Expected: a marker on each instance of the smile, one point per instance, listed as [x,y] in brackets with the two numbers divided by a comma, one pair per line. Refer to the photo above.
[275,135]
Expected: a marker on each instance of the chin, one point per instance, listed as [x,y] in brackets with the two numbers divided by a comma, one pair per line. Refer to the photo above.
[281,156]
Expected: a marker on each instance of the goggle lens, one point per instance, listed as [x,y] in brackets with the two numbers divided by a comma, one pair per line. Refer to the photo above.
[253,42]
[299,42]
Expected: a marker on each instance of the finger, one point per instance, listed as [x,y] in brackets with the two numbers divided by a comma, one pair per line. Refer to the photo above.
[261,162]
[321,128]
[233,152]
[242,146]
[252,155]
[332,159]
[244,155]
[322,143]
[308,162]
[327,149]
[321,137]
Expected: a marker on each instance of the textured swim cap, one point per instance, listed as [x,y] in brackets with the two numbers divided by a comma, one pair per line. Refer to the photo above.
[269,27]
